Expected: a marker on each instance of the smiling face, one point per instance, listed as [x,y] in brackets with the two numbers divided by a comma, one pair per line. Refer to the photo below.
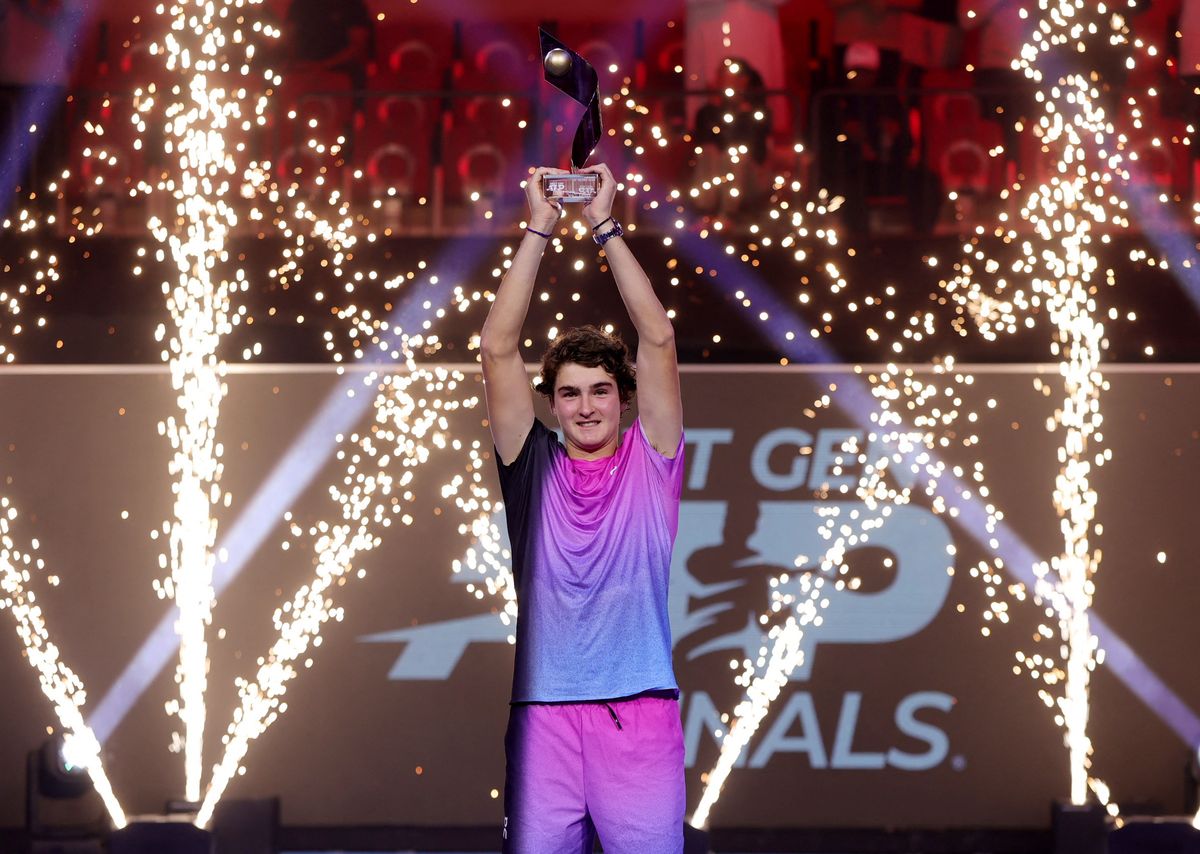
[588,407]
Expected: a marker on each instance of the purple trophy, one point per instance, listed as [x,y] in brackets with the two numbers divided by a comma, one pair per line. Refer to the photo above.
[569,72]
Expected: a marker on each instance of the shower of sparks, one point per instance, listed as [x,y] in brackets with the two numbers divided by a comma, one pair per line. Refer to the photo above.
[59,683]
[408,424]
[895,459]
[1063,215]
[201,127]
[311,209]
[904,454]
[28,279]
[485,560]
[774,666]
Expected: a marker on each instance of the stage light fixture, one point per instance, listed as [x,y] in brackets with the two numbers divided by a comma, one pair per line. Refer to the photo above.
[60,774]
[63,813]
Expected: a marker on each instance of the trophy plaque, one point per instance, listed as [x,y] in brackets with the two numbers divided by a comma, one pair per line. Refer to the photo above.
[570,73]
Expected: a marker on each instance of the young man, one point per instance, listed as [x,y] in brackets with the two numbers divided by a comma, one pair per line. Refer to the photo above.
[594,743]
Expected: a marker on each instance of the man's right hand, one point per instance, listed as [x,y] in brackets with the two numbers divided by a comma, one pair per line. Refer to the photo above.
[543,212]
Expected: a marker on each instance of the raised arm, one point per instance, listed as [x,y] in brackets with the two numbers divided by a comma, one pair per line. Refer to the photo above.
[659,404]
[505,383]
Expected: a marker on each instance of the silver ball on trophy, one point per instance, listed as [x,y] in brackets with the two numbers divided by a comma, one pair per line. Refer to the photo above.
[558,62]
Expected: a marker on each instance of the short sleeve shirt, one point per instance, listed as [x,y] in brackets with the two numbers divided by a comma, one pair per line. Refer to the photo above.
[591,550]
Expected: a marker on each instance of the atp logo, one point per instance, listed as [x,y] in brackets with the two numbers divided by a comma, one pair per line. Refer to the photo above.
[725,555]
[719,586]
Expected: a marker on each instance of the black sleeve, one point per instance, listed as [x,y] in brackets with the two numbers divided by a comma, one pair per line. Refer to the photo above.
[518,481]
[519,476]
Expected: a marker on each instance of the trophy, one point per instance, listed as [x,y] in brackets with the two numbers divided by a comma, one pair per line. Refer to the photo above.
[569,72]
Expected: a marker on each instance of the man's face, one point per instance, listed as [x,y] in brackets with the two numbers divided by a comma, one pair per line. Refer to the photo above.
[587,404]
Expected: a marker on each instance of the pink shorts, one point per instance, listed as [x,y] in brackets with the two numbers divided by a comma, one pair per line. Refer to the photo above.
[580,769]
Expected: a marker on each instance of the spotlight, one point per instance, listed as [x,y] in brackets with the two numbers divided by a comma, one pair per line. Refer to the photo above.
[60,774]
[62,810]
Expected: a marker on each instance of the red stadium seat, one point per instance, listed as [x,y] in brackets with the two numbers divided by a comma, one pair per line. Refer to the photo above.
[403,113]
[957,142]
[956,111]
[126,59]
[299,165]
[397,126]
[664,53]
[392,167]
[313,105]
[310,107]
[965,167]
[479,125]
[1154,166]
[104,162]
[499,60]
[482,169]
[411,57]
[497,117]
[605,45]
[494,61]
[603,57]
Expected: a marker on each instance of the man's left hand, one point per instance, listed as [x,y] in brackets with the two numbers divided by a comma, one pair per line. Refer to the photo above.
[600,208]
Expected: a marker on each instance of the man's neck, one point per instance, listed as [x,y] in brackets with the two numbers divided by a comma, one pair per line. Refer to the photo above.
[608,450]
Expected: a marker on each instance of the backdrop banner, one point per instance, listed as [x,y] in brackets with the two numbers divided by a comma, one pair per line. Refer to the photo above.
[913,706]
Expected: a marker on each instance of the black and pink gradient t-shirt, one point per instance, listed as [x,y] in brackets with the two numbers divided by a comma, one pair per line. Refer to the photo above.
[591,543]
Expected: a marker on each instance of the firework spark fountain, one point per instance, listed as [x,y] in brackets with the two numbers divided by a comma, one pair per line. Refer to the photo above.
[1064,214]
[199,133]
[782,655]
[59,683]
[40,273]
[405,428]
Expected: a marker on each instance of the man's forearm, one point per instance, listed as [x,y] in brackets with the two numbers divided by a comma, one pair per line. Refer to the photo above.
[501,332]
[645,310]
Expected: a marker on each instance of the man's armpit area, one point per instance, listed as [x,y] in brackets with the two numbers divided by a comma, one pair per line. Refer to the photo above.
[660,451]
[521,448]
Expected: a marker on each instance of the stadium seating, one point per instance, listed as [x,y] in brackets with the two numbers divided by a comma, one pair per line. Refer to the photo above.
[456,110]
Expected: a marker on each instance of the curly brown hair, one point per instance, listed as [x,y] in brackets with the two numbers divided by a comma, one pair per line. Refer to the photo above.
[592,348]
